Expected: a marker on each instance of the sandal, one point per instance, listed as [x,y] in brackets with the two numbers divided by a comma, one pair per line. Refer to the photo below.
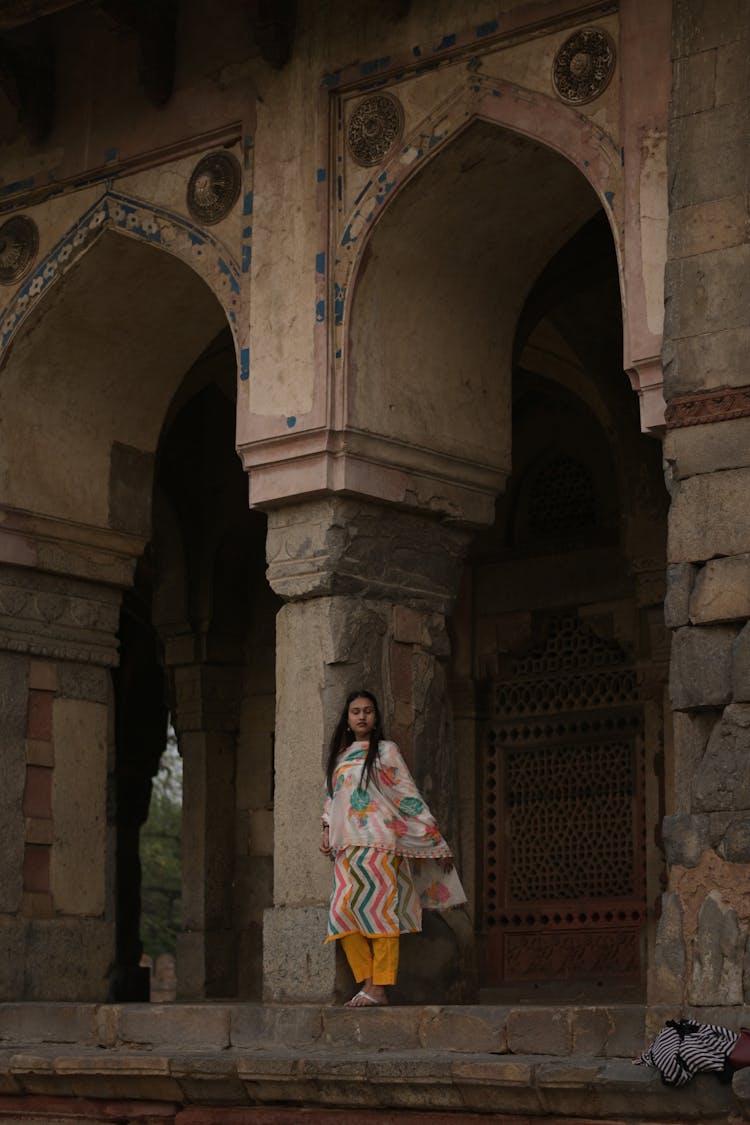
[369,1001]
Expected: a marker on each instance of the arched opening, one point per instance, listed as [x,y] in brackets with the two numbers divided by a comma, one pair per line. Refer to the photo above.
[487,329]
[118,412]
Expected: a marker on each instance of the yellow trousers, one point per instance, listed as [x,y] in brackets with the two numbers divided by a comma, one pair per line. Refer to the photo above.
[373,958]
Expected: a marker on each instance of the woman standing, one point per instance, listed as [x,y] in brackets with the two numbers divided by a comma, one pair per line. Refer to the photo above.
[390,860]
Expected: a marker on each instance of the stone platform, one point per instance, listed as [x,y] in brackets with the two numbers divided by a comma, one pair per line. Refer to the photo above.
[247,1064]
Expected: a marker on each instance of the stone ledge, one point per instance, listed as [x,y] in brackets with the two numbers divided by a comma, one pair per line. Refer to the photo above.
[417,1079]
[591,1030]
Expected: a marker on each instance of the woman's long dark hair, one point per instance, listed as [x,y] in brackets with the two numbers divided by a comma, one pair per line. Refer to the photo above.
[343,737]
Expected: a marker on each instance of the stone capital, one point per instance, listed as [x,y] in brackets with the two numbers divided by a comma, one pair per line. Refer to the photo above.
[339,546]
[58,618]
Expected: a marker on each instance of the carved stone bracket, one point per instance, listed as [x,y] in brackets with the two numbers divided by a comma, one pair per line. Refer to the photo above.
[343,546]
[647,379]
[58,618]
[712,406]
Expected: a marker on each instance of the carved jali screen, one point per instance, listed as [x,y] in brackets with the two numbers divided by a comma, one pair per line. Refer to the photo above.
[562,786]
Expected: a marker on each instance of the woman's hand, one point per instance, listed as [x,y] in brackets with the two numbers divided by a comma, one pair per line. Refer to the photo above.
[325,840]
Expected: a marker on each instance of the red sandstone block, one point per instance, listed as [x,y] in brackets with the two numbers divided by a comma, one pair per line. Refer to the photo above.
[36,868]
[37,796]
[39,720]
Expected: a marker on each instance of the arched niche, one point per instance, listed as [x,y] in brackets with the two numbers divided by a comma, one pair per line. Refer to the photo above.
[439,291]
[86,387]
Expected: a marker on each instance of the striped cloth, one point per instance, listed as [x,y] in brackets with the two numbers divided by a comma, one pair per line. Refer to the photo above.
[373,894]
[683,1047]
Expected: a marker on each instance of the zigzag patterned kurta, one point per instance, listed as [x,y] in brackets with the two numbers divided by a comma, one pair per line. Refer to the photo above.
[373,832]
[373,894]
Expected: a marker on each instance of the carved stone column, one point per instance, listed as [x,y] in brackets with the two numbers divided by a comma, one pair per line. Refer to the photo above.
[57,645]
[207,719]
[367,591]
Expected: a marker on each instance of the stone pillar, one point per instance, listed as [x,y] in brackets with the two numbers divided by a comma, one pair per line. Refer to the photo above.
[367,589]
[701,954]
[206,719]
[57,645]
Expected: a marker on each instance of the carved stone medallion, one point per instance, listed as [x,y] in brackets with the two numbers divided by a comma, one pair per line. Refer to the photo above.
[214,187]
[19,242]
[583,66]
[374,128]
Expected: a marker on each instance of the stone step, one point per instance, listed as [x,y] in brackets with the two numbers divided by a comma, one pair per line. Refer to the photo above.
[594,1031]
[528,1085]
[523,1062]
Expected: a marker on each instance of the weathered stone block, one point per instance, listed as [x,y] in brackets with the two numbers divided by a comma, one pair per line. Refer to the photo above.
[710,516]
[722,781]
[539,1031]
[48,1023]
[468,1028]
[730,836]
[670,956]
[718,953]
[741,1089]
[686,838]
[297,965]
[257,1024]
[68,959]
[710,290]
[741,666]
[705,140]
[185,1025]
[12,942]
[692,730]
[712,225]
[732,70]
[693,78]
[79,787]
[703,24]
[700,673]
[14,678]
[680,579]
[82,681]
[692,450]
[208,1080]
[701,363]
[392,1028]
[722,591]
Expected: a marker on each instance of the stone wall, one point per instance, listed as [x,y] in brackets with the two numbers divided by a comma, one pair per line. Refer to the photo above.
[703,937]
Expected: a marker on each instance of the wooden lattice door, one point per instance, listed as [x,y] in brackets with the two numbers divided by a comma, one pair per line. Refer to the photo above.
[563,795]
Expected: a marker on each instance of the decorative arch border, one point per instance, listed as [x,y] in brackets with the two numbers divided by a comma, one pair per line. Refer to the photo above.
[527,112]
[135,219]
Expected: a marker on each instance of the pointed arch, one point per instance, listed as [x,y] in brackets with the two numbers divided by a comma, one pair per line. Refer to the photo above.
[136,219]
[482,98]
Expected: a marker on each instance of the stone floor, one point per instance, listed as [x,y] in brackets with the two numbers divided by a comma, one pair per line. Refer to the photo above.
[248,1064]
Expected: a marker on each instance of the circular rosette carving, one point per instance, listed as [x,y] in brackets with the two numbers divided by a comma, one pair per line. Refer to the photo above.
[19,242]
[214,187]
[583,66]
[375,127]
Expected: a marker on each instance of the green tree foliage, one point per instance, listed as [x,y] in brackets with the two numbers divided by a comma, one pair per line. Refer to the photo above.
[161,846]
